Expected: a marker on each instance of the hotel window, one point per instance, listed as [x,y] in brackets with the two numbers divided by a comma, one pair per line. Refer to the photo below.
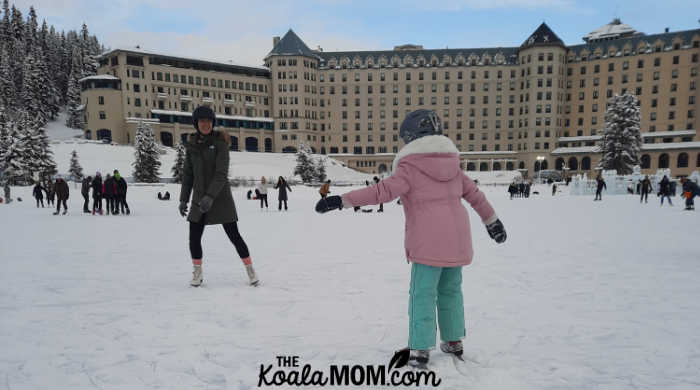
[103,115]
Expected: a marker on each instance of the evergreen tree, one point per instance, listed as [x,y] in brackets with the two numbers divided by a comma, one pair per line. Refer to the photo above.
[7,86]
[147,160]
[75,170]
[31,96]
[178,167]
[320,171]
[75,111]
[622,139]
[305,166]
[88,53]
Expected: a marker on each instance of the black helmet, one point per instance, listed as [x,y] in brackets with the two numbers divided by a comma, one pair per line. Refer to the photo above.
[418,124]
[203,112]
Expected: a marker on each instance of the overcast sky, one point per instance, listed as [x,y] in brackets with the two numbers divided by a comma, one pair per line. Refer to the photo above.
[242,31]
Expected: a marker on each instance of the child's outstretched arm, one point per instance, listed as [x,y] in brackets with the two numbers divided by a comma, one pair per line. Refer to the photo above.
[383,192]
[478,201]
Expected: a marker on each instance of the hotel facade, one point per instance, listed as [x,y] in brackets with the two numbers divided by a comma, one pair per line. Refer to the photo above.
[540,105]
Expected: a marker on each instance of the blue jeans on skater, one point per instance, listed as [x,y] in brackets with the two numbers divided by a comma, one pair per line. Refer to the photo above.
[667,197]
[433,287]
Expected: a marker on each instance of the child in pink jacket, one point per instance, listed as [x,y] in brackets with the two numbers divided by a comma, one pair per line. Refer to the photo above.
[428,179]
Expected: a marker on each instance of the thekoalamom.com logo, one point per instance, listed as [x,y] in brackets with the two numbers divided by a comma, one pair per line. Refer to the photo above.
[290,373]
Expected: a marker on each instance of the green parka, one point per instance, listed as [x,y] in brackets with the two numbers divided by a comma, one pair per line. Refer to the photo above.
[206,173]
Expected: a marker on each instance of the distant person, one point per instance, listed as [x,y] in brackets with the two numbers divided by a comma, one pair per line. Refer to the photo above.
[665,190]
[645,189]
[325,189]
[160,196]
[62,192]
[6,190]
[120,194]
[690,191]
[109,193]
[166,196]
[50,193]
[381,205]
[554,189]
[600,185]
[262,191]
[282,188]
[85,192]
[97,193]
[38,193]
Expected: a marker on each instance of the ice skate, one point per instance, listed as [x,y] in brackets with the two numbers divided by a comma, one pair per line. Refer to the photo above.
[253,279]
[419,359]
[197,277]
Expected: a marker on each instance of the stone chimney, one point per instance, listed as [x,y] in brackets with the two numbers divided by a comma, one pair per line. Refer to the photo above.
[275,41]
[666,30]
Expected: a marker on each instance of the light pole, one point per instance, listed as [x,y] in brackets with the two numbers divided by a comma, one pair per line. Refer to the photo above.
[539,171]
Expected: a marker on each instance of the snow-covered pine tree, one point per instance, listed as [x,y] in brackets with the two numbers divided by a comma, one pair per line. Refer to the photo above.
[320,170]
[622,139]
[75,170]
[305,165]
[31,101]
[75,111]
[88,52]
[16,46]
[179,165]
[147,161]
[8,94]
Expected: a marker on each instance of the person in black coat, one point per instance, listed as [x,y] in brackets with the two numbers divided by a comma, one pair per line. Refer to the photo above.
[645,190]
[109,193]
[665,190]
[97,194]
[85,192]
[38,193]
[690,191]
[62,192]
[600,185]
[282,187]
[120,195]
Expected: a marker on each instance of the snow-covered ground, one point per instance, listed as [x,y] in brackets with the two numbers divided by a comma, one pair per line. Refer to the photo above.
[583,295]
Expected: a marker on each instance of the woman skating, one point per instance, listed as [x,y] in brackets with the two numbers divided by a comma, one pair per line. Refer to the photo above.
[206,179]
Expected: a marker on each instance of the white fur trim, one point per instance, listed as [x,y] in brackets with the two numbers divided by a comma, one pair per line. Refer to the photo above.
[427,144]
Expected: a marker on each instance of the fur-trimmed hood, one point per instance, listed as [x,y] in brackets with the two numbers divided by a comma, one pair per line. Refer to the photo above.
[221,135]
[434,155]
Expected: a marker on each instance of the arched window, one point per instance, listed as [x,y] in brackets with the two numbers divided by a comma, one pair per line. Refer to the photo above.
[559,164]
[697,164]
[586,164]
[573,163]
[496,166]
[537,166]
[682,160]
[166,138]
[509,166]
[323,150]
[234,144]
[483,166]
[88,134]
[382,168]
[104,134]
[289,149]
[313,150]
[544,164]
[251,144]
[663,161]
[472,167]
[646,161]
[521,165]
[268,145]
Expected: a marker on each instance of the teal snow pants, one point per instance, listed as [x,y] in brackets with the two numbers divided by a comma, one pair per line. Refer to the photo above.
[430,286]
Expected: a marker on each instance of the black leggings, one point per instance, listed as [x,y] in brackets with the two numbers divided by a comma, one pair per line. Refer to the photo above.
[263,197]
[280,204]
[231,229]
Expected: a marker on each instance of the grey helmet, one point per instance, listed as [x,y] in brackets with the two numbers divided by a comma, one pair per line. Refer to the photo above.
[418,124]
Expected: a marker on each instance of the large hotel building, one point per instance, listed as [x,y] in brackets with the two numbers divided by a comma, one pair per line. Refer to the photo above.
[540,105]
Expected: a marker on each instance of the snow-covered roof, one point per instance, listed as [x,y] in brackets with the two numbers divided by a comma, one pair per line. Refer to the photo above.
[99,77]
[201,59]
[578,149]
[611,30]
[581,138]
[671,145]
[676,133]
[218,116]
